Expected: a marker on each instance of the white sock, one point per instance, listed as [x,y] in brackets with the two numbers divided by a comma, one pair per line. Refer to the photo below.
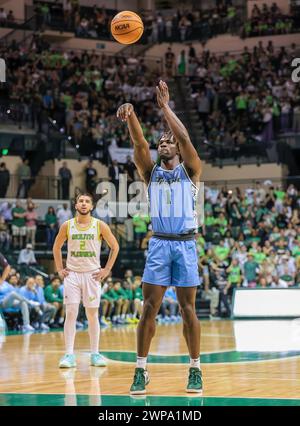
[195,362]
[70,327]
[141,362]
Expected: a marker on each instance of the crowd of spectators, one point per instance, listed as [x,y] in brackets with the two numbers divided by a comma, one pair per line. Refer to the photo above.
[20,223]
[177,25]
[269,20]
[188,23]
[31,303]
[35,302]
[170,26]
[79,93]
[28,304]
[243,101]
[249,238]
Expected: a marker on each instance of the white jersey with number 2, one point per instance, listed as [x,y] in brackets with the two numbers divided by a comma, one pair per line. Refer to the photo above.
[84,246]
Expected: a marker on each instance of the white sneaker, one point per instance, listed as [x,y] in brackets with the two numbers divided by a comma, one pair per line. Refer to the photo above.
[44,326]
[27,328]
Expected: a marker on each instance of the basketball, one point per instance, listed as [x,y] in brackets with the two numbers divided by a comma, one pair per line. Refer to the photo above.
[127,27]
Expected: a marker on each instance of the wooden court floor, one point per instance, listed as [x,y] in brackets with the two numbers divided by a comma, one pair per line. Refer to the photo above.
[243,363]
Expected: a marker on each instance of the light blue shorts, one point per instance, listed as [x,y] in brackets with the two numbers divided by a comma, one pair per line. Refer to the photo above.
[171,263]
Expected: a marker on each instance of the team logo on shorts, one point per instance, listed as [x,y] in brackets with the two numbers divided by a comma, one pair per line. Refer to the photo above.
[91,298]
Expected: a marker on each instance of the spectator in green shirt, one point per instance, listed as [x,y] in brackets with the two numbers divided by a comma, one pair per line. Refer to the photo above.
[241,102]
[222,222]
[53,296]
[209,222]
[258,255]
[140,223]
[18,225]
[51,227]
[121,303]
[107,303]
[236,219]
[280,196]
[250,271]
[125,293]
[252,238]
[200,242]
[234,274]
[296,248]
[221,252]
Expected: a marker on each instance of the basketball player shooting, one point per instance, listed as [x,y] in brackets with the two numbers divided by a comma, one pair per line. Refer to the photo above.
[83,274]
[172,255]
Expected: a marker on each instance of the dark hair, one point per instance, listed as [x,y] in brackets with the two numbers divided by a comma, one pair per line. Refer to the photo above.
[86,194]
[168,135]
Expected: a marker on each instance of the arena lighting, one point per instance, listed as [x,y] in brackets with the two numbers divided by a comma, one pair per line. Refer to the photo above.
[8,111]
[54,121]
[77,146]
[70,138]
[62,130]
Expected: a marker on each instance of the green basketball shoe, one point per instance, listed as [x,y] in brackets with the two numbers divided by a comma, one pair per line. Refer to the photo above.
[67,361]
[195,381]
[140,380]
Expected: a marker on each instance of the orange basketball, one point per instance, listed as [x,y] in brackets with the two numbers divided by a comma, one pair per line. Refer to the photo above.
[127,27]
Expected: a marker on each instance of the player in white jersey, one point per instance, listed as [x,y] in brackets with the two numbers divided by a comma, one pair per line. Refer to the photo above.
[83,274]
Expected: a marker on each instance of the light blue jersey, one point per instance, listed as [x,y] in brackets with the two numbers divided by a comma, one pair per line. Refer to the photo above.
[172,197]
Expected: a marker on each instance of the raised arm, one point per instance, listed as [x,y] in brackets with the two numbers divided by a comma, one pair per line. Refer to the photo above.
[188,152]
[142,157]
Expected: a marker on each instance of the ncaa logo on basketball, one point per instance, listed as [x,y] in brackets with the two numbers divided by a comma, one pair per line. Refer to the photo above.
[296,72]
[2,71]
[122,27]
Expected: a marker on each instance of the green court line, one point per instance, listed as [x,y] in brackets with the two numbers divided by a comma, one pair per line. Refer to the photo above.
[9,399]
[212,358]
